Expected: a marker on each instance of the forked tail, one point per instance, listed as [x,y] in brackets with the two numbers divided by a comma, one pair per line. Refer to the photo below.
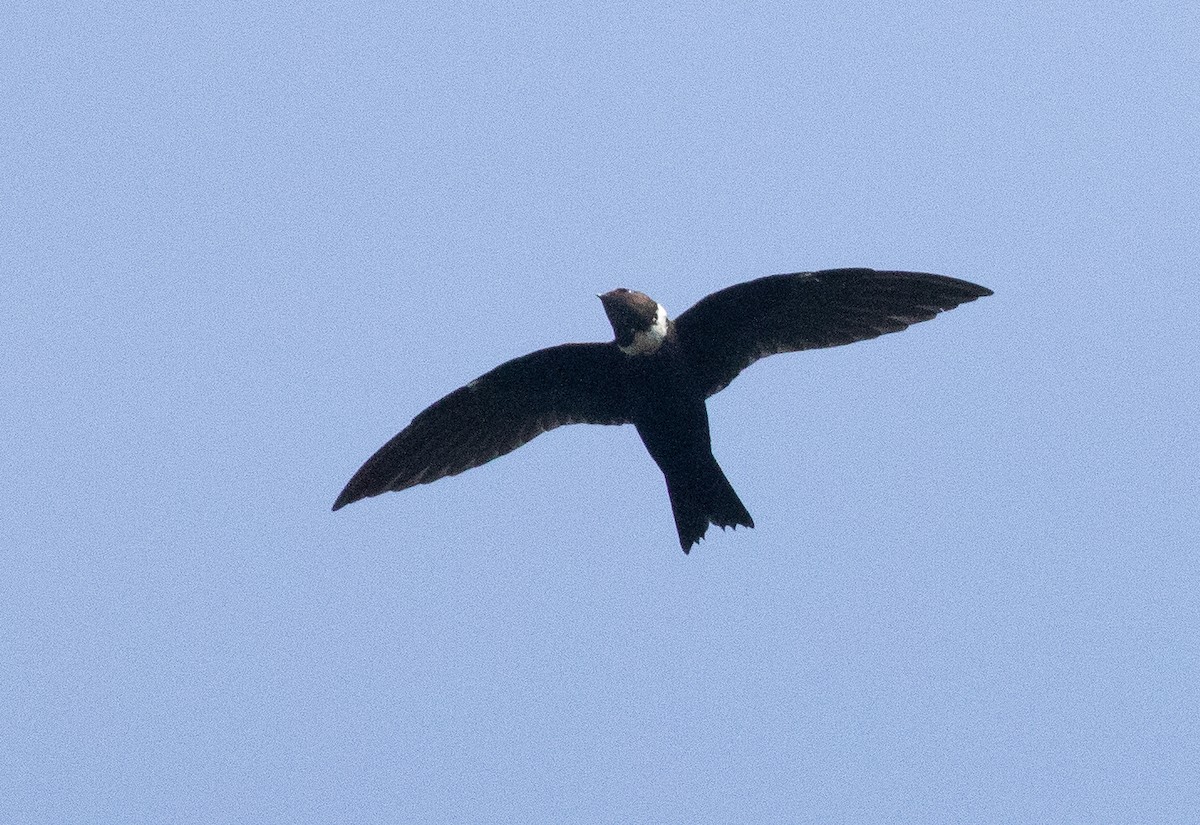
[702,498]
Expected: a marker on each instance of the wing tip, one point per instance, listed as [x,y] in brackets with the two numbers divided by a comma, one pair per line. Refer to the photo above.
[352,493]
[972,289]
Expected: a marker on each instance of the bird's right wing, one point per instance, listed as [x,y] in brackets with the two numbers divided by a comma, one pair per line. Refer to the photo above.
[495,414]
[729,330]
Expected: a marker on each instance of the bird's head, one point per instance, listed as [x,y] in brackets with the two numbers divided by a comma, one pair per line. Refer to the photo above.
[638,321]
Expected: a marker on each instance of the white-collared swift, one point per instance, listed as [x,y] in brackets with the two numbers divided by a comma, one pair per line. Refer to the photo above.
[657,375]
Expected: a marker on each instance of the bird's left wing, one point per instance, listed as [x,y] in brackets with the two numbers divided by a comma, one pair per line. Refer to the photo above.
[495,414]
[727,331]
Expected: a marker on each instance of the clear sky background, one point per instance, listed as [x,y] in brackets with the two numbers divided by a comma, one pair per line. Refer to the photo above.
[243,244]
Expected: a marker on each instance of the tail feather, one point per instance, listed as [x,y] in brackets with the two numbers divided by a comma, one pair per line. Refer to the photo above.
[700,499]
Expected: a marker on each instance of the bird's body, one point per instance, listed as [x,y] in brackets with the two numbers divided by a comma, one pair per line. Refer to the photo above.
[656,375]
[668,408]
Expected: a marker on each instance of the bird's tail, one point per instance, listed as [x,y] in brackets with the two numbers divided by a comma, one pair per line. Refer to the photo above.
[702,498]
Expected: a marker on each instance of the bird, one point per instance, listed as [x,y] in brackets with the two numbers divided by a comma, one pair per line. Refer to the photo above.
[657,375]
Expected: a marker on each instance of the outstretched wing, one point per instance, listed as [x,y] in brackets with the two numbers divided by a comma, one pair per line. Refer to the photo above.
[495,414]
[731,329]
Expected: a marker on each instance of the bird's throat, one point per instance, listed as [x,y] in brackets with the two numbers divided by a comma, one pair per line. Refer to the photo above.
[646,341]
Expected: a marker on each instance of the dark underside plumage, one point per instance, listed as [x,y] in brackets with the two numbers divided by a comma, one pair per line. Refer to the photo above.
[661,393]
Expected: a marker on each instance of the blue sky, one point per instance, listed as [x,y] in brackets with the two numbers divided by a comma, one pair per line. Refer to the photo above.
[244,244]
